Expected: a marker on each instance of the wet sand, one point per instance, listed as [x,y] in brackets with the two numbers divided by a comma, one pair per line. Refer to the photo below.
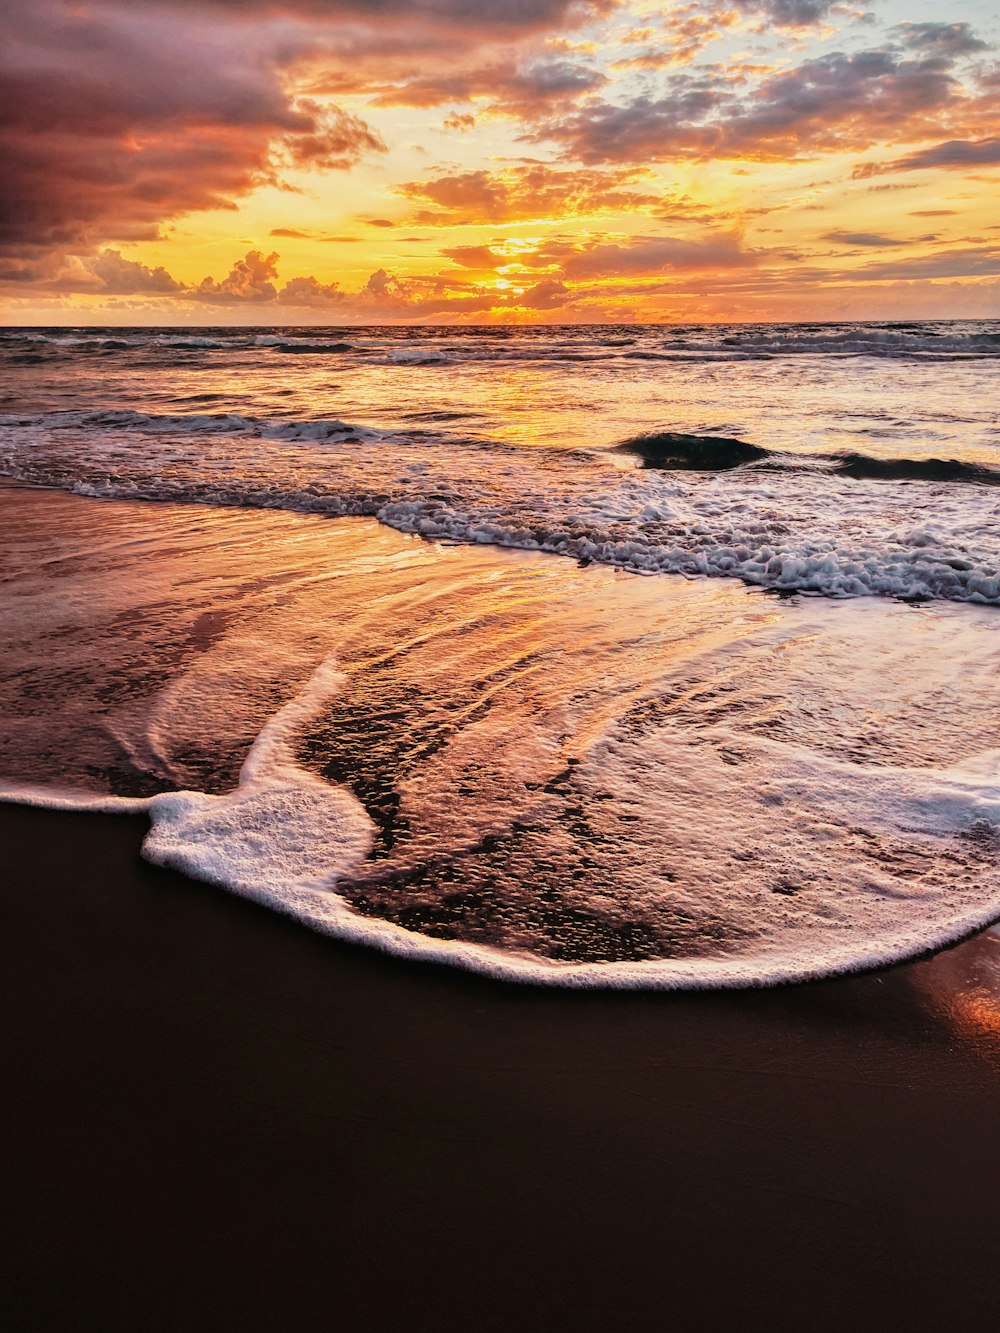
[217,1120]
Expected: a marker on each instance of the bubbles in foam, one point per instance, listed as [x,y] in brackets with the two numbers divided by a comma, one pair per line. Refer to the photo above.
[267,838]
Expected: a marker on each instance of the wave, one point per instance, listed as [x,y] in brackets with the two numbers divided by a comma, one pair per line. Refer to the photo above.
[863,467]
[916,341]
[670,450]
[611,344]
[317,833]
[194,423]
[662,450]
[779,522]
[303,348]
[673,451]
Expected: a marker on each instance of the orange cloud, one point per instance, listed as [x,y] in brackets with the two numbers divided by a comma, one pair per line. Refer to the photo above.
[526,192]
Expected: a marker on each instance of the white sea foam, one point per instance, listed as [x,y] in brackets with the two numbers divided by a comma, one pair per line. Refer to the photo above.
[284,838]
[68,798]
[795,529]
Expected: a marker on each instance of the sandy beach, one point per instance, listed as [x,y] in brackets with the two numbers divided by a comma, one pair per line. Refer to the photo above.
[217,1119]
[499,666]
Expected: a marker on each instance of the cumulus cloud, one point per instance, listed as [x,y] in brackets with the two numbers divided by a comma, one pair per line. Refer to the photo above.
[250,279]
[549,294]
[254,281]
[310,292]
[127,277]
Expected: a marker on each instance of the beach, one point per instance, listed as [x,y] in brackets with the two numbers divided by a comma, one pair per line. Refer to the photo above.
[410,833]
[499,666]
[216,1118]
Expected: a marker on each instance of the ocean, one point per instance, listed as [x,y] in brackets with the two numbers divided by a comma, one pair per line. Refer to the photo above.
[651,656]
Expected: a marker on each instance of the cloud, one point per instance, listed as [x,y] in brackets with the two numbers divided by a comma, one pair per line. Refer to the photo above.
[835,102]
[115,118]
[462,122]
[549,294]
[480,257]
[250,279]
[253,281]
[512,15]
[296,234]
[656,254]
[684,32]
[126,277]
[334,141]
[525,193]
[973,262]
[862,238]
[788,13]
[947,39]
[310,292]
[954,153]
[511,87]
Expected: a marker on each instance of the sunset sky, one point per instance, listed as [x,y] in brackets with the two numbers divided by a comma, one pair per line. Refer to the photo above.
[364,161]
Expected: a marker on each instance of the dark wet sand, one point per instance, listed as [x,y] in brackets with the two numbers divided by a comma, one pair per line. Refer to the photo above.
[217,1120]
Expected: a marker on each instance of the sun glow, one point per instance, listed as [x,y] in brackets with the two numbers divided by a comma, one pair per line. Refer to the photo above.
[758,160]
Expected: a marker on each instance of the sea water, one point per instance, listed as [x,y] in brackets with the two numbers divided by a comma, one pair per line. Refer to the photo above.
[457,723]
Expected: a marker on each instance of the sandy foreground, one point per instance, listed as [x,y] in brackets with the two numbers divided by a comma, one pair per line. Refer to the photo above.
[216,1119]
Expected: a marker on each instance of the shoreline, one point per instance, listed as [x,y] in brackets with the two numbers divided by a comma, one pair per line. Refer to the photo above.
[222,1119]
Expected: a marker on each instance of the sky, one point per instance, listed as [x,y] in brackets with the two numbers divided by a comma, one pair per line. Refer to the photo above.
[511,161]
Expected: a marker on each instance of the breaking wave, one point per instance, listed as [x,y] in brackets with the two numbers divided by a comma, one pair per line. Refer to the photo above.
[699,505]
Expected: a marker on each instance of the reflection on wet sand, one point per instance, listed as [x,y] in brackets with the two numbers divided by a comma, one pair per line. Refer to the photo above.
[563,774]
